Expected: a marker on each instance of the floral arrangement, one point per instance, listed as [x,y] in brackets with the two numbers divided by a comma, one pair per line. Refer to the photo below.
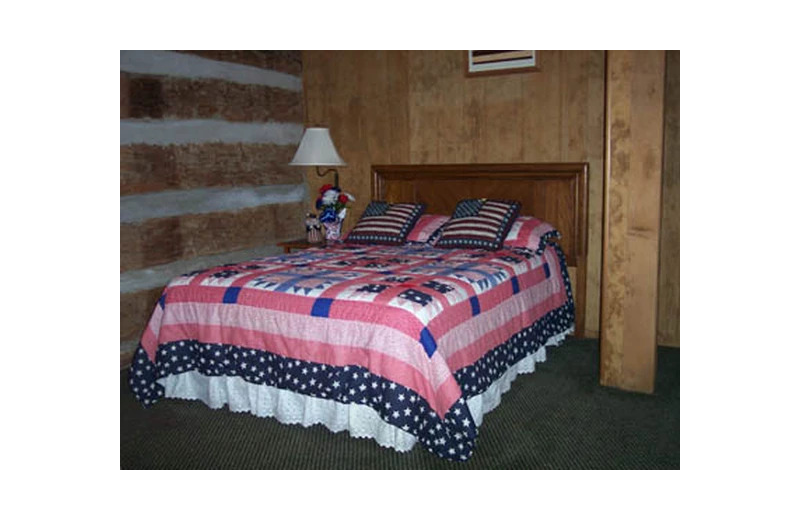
[332,202]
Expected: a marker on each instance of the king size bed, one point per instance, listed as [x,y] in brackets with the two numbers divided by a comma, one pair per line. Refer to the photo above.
[405,343]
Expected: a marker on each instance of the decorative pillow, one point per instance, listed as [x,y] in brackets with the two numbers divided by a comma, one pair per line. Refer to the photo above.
[425,227]
[530,233]
[479,223]
[384,223]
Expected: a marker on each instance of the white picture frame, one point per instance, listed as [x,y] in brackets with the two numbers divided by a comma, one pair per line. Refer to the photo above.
[496,62]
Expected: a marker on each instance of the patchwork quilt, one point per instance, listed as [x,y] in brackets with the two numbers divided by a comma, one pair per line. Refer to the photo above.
[410,331]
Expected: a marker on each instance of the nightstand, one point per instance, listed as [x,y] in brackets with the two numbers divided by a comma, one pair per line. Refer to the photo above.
[298,244]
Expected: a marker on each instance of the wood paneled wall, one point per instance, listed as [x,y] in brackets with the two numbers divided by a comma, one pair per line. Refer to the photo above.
[669,281]
[418,107]
[632,218]
[205,138]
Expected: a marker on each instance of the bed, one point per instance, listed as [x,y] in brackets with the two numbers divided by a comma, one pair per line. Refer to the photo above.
[403,344]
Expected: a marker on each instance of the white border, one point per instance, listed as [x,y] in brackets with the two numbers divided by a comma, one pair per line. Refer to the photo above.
[509,65]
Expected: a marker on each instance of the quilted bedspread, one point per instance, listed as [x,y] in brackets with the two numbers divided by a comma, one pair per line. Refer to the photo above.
[410,331]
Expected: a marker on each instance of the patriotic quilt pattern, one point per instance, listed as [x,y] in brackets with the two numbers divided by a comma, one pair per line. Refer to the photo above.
[412,332]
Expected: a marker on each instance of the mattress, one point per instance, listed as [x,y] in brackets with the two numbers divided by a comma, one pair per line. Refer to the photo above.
[402,344]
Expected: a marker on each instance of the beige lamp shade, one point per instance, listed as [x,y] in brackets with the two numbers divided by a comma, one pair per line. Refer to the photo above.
[316,149]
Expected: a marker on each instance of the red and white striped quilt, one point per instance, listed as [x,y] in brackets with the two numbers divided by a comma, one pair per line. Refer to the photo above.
[422,319]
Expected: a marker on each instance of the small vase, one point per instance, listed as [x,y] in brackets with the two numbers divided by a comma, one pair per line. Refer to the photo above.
[333,230]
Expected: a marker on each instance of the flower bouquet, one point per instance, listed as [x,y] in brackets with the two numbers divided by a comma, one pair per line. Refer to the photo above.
[332,204]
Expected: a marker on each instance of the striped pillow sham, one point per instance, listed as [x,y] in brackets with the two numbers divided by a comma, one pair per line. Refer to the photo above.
[530,233]
[425,227]
[384,223]
[479,223]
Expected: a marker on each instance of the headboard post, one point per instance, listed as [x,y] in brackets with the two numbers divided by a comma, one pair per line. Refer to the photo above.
[553,192]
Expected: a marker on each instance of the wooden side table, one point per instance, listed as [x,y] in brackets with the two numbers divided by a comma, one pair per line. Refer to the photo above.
[298,244]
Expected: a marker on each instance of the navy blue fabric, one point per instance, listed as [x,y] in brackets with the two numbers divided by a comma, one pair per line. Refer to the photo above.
[476,305]
[467,208]
[376,207]
[426,338]
[547,238]
[231,295]
[322,307]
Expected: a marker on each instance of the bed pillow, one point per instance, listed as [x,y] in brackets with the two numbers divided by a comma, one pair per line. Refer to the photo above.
[530,233]
[384,223]
[479,223]
[425,227]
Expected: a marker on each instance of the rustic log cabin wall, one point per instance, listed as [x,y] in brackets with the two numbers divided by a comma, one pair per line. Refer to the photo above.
[205,138]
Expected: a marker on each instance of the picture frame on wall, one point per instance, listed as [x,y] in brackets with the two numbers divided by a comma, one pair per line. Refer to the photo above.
[501,62]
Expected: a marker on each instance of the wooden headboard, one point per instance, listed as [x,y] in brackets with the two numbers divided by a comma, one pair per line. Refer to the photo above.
[554,192]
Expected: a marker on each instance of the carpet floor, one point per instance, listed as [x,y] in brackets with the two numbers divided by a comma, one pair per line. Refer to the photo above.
[556,418]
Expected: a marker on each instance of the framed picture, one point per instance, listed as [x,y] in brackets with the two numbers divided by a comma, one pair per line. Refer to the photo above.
[500,62]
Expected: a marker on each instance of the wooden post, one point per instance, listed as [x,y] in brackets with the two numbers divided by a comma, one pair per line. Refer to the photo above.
[669,269]
[631,221]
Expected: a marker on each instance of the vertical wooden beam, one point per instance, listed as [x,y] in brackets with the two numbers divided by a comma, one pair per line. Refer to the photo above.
[669,284]
[631,222]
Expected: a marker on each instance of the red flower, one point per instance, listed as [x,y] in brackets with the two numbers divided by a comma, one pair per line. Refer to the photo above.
[325,188]
[343,198]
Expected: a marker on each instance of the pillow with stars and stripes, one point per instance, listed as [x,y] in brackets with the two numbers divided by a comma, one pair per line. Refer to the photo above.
[479,224]
[384,223]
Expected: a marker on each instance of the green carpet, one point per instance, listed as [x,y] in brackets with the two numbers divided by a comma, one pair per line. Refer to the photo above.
[556,418]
